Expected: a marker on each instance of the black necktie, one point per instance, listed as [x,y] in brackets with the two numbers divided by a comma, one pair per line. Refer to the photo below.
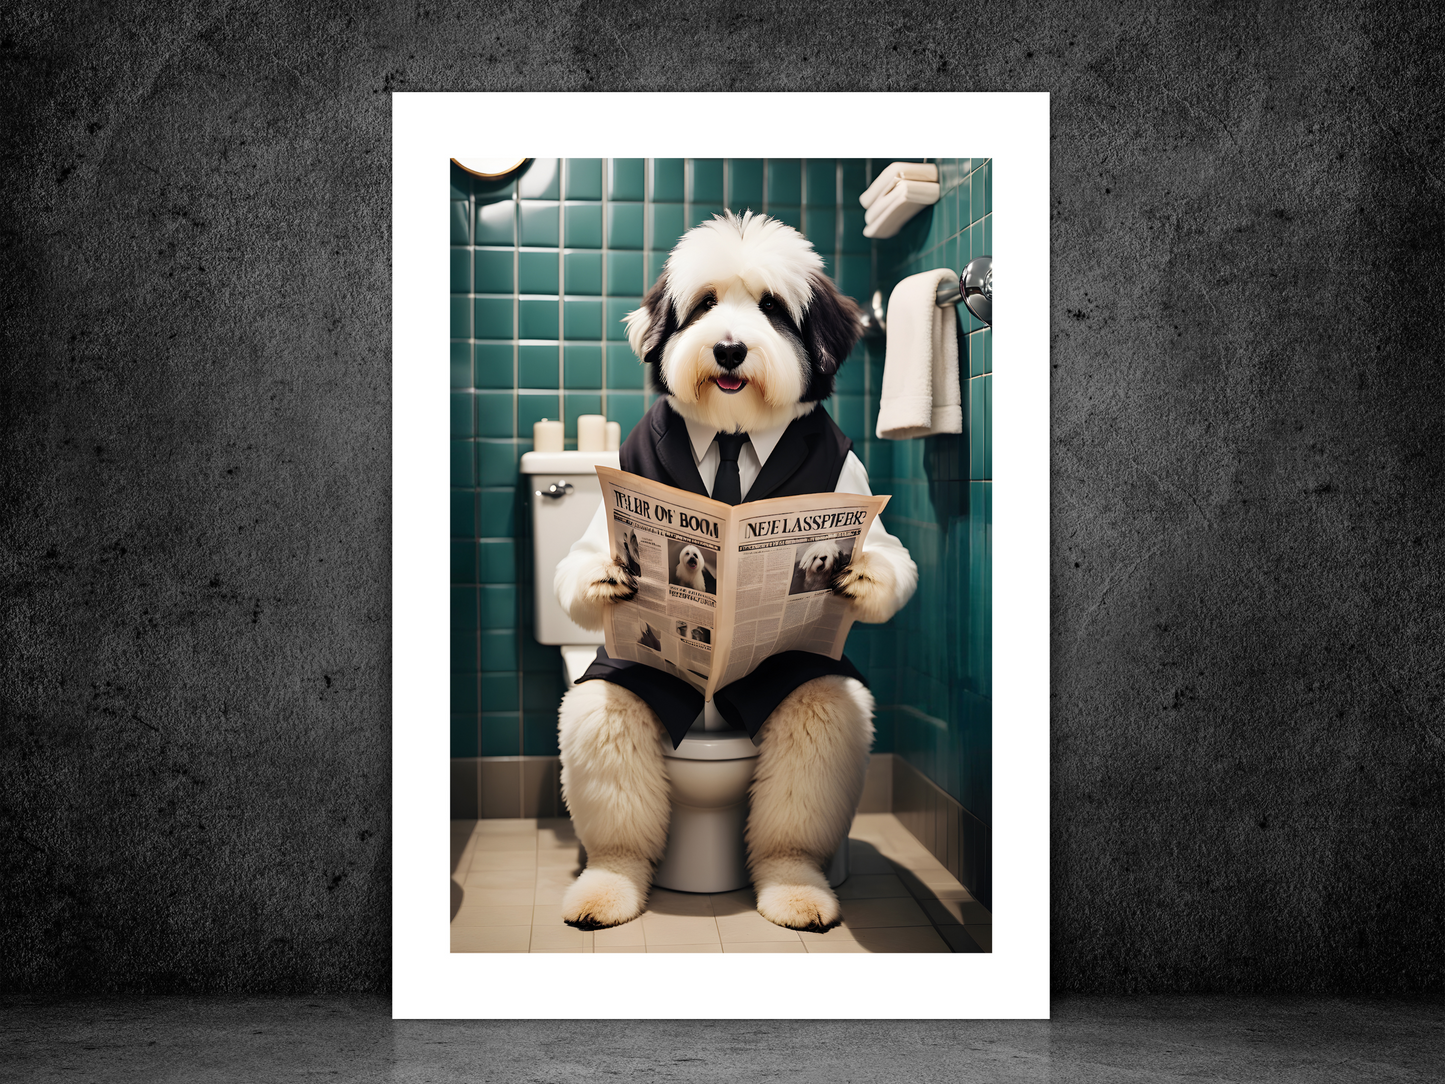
[728,486]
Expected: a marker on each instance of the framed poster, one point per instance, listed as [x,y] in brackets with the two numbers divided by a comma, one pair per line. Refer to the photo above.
[526,227]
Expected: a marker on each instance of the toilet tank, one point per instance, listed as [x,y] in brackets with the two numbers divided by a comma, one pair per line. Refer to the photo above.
[557,522]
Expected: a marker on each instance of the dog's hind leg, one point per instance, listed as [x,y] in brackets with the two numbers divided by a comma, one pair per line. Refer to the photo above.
[809,777]
[616,788]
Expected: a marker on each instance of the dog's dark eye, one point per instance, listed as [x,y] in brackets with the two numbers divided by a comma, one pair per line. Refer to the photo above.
[708,301]
[767,304]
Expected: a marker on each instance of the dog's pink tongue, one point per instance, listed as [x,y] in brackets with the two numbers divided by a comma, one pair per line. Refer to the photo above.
[730,383]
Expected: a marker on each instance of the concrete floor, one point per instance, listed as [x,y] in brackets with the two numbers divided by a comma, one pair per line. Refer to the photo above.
[1199,1039]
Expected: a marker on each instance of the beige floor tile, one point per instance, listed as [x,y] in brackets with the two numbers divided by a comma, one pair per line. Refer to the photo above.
[497,897]
[663,902]
[493,916]
[867,863]
[982,936]
[506,841]
[752,927]
[547,914]
[552,833]
[484,860]
[833,946]
[958,939]
[871,886]
[491,938]
[558,858]
[956,912]
[895,911]
[550,890]
[916,859]
[680,930]
[873,821]
[945,891]
[500,878]
[496,826]
[621,948]
[740,902]
[764,946]
[904,939]
[561,937]
[684,948]
[628,934]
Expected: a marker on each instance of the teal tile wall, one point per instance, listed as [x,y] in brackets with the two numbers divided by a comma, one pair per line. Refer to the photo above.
[940,715]
[543,267]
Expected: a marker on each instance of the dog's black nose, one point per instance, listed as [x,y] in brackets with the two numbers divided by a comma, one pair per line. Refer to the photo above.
[730,355]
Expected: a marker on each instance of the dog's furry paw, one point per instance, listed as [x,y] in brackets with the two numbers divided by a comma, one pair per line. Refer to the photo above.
[800,907]
[613,584]
[601,898]
[868,583]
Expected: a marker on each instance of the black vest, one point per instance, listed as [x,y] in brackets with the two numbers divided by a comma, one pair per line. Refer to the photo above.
[808,458]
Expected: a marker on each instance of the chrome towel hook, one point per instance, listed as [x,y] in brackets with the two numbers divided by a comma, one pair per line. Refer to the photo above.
[974,287]
[977,284]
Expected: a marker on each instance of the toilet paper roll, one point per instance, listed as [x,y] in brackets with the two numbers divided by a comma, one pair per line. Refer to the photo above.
[591,432]
[614,437]
[547,436]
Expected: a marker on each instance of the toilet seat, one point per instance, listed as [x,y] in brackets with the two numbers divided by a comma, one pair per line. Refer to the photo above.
[714,745]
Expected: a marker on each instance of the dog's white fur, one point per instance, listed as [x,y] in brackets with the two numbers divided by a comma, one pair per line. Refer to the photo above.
[819,562]
[737,260]
[814,746]
[615,785]
[690,575]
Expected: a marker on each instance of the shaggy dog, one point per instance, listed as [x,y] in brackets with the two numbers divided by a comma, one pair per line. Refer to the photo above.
[743,332]
[819,562]
[689,569]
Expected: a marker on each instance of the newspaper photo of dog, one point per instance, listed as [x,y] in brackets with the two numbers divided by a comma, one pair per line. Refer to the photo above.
[818,564]
[692,566]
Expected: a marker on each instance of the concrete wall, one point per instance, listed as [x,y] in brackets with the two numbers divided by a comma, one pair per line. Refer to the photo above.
[194,676]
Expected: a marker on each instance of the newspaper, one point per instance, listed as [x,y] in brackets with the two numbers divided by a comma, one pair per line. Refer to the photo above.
[721,587]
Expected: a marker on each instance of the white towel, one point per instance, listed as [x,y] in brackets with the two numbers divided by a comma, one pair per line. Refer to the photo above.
[886,217]
[898,171]
[921,393]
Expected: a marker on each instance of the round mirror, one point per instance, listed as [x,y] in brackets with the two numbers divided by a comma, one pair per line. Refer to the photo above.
[490,168]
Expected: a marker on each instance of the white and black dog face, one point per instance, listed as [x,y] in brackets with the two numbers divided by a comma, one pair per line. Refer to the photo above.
[819,562]
[743,329]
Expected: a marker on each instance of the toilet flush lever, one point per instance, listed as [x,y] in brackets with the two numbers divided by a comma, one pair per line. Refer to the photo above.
[556,490]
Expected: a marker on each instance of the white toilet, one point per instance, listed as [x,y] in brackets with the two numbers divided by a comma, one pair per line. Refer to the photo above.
[711,770]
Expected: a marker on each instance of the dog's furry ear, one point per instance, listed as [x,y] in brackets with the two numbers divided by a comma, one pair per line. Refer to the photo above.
[652,324]
[830,328]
